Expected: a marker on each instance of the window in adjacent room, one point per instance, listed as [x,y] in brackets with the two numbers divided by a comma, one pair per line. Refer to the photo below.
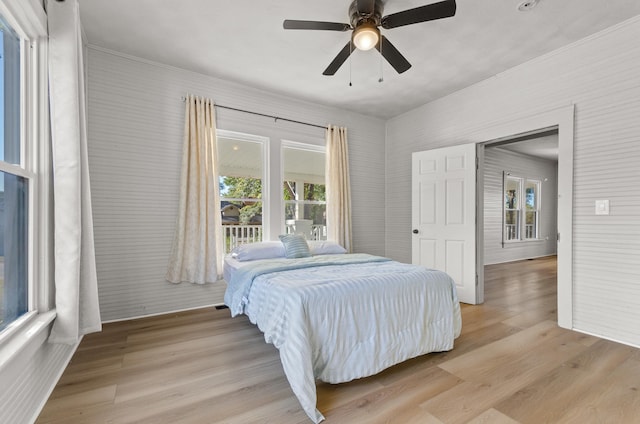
[512,208]
[521,208]
[532,212]
[241,163]
[304,192]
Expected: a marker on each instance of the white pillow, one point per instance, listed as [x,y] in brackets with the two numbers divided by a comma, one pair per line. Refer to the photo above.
[260,250]
[325,248]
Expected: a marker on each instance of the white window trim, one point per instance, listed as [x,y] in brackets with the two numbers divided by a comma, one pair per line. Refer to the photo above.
[266,167]
[24,335]
[25,16]
[522,208]
[301,146]
[538,183]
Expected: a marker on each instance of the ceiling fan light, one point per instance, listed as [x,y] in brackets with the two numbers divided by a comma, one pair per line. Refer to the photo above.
[365,37]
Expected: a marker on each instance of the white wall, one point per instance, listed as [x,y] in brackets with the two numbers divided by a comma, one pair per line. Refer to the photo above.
[135,129]
[601,76]
[497,160]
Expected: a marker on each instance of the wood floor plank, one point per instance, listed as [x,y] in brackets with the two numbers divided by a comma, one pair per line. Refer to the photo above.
[498,370]
[512,364]
[548,399]
[64,407]
[401,398]
[541,343]
[615,399]
[492,416]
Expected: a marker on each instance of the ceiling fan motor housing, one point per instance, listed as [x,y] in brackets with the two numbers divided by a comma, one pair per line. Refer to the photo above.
[373,18]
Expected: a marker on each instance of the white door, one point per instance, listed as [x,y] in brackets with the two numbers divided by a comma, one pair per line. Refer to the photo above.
[443,193]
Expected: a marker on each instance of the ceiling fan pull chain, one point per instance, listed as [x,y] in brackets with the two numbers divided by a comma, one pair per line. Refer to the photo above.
[351,51]
[381,79]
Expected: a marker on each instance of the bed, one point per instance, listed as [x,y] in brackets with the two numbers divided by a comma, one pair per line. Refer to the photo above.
[336,317]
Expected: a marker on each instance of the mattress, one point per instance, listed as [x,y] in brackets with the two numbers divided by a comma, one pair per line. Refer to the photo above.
[340,317]
[231,265]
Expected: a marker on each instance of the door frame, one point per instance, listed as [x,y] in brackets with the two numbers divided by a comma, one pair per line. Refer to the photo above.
[563,120]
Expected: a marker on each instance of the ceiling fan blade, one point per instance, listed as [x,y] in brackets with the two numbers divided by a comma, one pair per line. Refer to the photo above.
[393,56]
[365,7]
[316,25]
[339,60]
[430,12]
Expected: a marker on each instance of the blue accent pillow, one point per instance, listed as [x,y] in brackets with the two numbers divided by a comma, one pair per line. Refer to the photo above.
[295,246]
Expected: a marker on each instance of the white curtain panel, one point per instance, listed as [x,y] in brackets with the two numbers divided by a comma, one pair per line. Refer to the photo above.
[338,187]
[76,284]
[196,255]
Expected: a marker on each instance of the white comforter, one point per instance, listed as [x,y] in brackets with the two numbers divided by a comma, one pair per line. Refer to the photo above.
[351,317]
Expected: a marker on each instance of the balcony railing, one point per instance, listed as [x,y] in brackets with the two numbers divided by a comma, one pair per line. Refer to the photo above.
[235,235]
[530,231]
[511,231]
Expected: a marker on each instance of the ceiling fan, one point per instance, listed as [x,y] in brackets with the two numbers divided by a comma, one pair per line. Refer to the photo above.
[366,17]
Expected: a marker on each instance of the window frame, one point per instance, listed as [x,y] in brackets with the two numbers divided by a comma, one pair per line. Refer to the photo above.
[28,19]
[273,219]
[265,146]
[288,144]
[521,210]
[538,185]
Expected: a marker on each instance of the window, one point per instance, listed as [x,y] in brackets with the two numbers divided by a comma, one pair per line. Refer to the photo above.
[241,178]
[521,208]
[532,213]
[244,166]
[23,141]
[14,184]
[304,190]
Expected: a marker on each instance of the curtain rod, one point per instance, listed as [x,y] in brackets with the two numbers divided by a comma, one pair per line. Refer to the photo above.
[276,118]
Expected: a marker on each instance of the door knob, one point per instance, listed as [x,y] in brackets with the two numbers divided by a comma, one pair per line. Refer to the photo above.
[415,231]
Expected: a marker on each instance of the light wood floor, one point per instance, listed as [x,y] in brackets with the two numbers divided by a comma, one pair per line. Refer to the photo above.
[512,364]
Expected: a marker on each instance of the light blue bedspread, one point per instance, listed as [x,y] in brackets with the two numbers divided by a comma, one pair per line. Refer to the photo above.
[340,317]
[236,295]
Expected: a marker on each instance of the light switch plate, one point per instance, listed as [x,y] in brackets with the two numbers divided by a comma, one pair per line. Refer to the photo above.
[602,207]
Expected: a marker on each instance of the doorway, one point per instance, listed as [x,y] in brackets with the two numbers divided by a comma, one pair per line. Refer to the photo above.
[520,219]
[562,121]
[520,198]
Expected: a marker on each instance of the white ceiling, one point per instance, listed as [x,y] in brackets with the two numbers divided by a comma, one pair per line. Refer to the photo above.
[543,147]
[244,42]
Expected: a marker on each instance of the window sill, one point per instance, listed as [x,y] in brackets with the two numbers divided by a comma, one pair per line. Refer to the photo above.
[19,338]
[524,241]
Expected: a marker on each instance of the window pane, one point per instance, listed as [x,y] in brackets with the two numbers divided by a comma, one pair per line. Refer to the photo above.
[531,225]
[531,195]
[13,248]
[241,169]
[10,89]
[511,195]
[512,225]
[304,192]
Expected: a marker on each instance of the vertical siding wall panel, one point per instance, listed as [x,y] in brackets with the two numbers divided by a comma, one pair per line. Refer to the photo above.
[601,76]
[496,161]
[136,120]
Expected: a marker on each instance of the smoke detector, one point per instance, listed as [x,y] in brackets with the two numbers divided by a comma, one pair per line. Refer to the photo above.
[527,5]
